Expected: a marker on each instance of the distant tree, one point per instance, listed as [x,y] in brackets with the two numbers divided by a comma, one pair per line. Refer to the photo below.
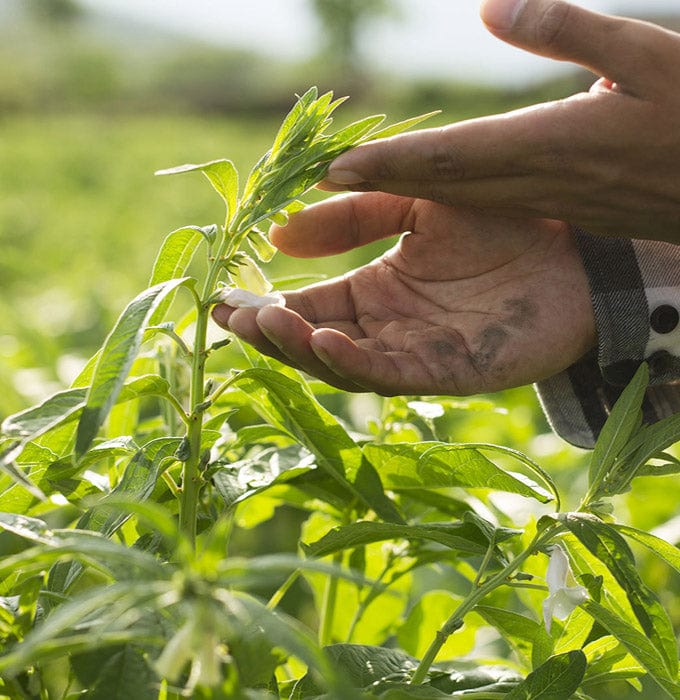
[342,21]
[55,11]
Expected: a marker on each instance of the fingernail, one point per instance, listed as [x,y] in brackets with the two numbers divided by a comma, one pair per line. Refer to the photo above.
[502,14]
[319,350]
[343,177]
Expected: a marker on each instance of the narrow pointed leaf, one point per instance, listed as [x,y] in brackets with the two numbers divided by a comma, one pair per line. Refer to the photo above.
[625,418]
[172,262]
[664,550]
[647,444]
[637,643]
[291,119]
[64,408]
[611,549]
[52,412]
[223,177]
[355,131]
[118,354]
[462,537]
[18,477]
[394,129]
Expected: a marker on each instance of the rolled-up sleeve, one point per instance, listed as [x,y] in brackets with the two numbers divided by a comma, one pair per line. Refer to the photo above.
[635,291]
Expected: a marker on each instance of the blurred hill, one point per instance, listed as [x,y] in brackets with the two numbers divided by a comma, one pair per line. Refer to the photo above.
[57,57]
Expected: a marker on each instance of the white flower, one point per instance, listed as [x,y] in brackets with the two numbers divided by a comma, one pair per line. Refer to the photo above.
[426,410]
[563,599]
[242,298]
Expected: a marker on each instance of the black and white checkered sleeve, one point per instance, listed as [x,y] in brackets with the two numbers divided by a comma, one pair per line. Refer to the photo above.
[635,289]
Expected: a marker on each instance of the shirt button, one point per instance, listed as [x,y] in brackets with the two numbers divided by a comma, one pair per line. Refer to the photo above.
[664,318]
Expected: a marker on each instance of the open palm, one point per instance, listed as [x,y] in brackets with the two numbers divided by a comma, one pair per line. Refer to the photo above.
[464,302]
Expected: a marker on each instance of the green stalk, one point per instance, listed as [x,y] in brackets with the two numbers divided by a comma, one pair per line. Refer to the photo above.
[455,622]
[283,589]
[191,477]
[330,597]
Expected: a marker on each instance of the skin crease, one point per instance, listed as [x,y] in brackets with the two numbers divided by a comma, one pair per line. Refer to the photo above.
[607,160]
[464,303]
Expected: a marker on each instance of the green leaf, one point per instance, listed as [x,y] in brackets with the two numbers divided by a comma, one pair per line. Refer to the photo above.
[353,133]
[83,623]
[116,674]
[8,467]
[32,529]
[637,643]
[361,665]
[173,259]
[664,550]
[605,543]
[137,484]
[223,177]
[237,481]
[624,419]
[394,129]
[462,537]
[288,405]
[646,445]
[557,679]
[437,465]
[66,406]
[259,242]
[118,353]
[292,119]
[609,660]
[527,636]
[34,421]
[480,679]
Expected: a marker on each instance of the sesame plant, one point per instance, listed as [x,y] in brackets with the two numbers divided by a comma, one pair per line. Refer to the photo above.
[125,501]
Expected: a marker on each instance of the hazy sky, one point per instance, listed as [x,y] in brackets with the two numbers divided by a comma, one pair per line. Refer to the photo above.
[443,37]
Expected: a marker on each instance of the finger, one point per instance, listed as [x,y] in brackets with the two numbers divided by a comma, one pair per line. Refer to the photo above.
[626,51]
[389,371]
[341,223]
[242,323]
[281,334]
[468,150]
[290,334]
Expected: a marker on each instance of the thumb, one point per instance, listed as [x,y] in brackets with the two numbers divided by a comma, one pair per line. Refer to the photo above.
[625,51]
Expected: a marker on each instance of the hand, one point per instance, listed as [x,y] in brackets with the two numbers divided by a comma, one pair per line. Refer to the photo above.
[607,160]
[464,303]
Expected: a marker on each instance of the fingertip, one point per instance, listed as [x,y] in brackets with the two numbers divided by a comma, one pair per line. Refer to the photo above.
[337,175]
[221,315]
[332,347]
[501,15]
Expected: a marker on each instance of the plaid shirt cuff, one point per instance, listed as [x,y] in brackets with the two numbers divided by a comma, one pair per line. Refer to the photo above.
[635,290]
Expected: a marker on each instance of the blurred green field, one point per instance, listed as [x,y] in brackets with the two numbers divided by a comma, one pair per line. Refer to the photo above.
[81,218]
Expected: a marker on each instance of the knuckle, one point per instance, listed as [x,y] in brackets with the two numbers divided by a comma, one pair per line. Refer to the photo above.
[552,23]
[446,161]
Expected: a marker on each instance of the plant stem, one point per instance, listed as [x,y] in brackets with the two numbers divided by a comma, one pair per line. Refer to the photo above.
[328,606]
[283,589]
[191,477]
[455,622]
